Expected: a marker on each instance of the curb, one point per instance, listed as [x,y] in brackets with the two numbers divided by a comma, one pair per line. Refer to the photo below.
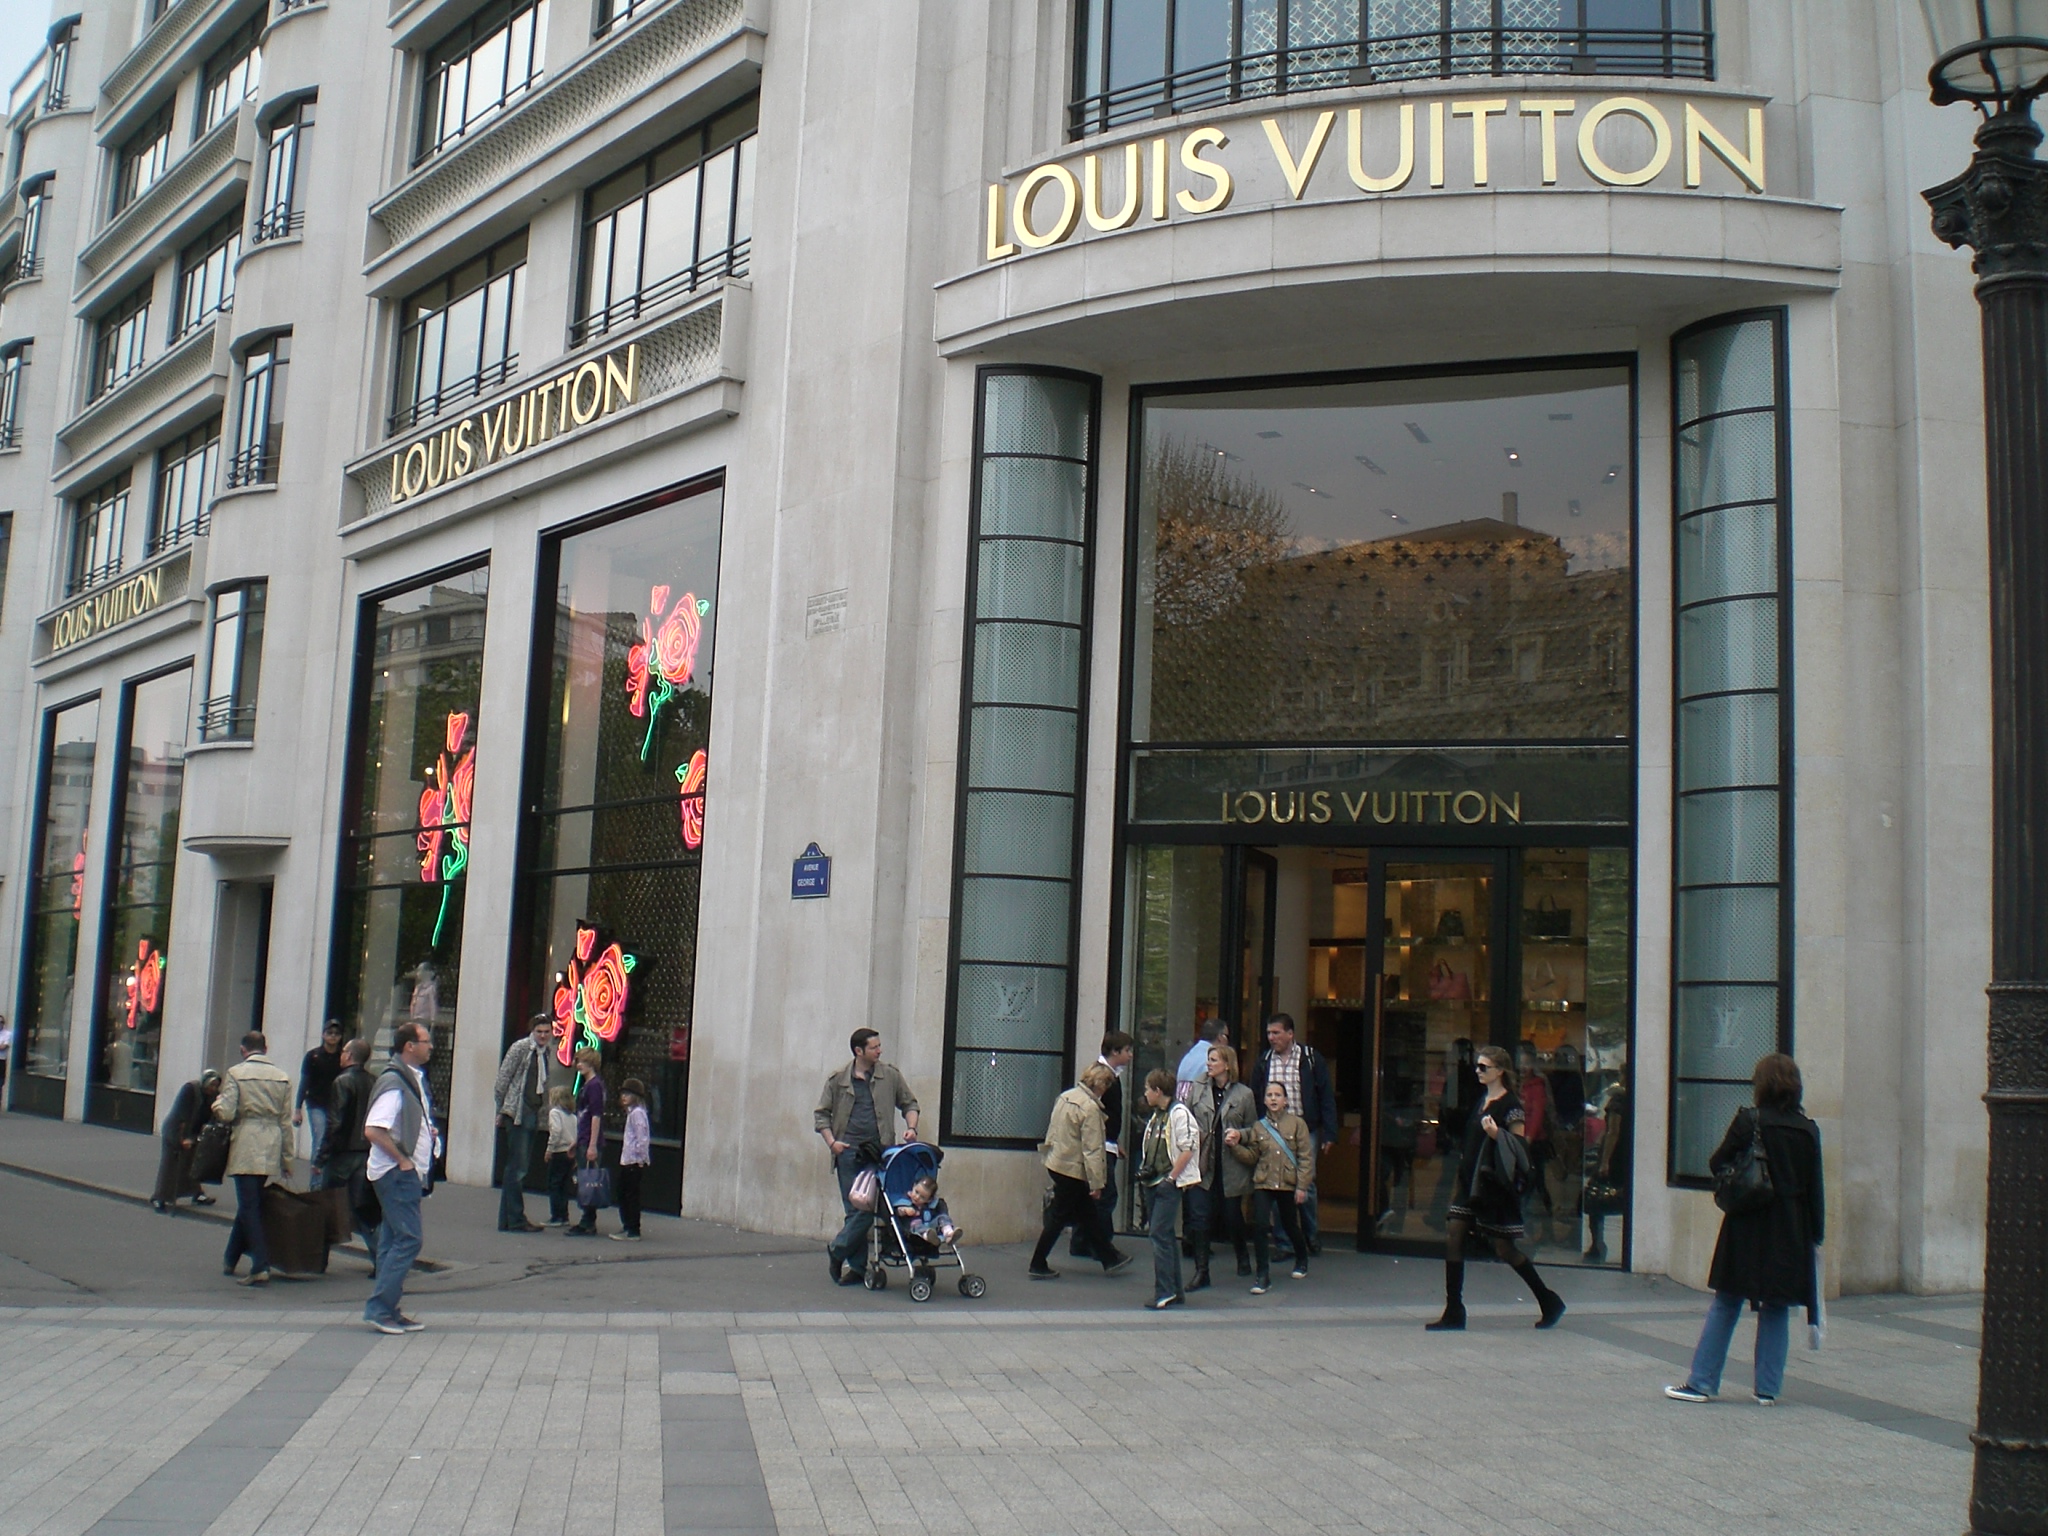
[205,1213]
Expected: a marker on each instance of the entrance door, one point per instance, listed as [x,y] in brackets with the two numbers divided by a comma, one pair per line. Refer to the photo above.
[1255,877]
[1437,964]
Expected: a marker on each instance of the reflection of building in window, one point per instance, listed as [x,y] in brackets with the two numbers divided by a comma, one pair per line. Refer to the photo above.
[1475,630]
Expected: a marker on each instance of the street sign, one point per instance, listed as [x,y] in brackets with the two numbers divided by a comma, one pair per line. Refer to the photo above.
[810,876]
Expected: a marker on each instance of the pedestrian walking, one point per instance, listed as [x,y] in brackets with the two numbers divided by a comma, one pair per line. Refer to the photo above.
[856,1116]
[1485,1202]
[1304,1072]
[348,1143]
[1075,1159]
[561,1153]
[403,1141]
[520,1095]
[1220,1105]
[1764,1256]
[317,1072]
[635,1157]
[255,1103]
[590,1104]
[1282,1155]
[190,1111]
[1117,1051]
[1168,1163]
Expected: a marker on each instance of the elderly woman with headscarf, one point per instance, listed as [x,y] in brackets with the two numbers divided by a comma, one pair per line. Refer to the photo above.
[1078,1164]
[190,1111]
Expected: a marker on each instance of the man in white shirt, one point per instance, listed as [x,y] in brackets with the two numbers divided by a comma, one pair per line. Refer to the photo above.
[400,1130]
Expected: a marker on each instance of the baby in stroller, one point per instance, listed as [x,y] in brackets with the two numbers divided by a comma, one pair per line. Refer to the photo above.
[927,1227]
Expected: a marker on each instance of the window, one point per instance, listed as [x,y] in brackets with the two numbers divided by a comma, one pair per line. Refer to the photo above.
[184,480]
[479,69]
[232,75]
[142,160]
[259,417]
[612,14]
[13,364]
[35,205]
[612,846]
[282,211]
[1010,992]
[1731,932]
[234,664]
[206,275]
[117,341]
[149,792]
[680,217]
[457,336]
[57,896]
[1139,59]
[403,880]
[57,78]
[98,520]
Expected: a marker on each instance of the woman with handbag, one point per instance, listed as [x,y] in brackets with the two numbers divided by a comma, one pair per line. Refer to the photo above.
[1767,1179]
[1221,1105]
[1492,1175]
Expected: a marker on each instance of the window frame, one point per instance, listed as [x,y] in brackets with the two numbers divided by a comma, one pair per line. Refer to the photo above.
[242,53]
[231,716]
[202,443]
[120,341]
[95,559]
[454,51]
[223,240]
[35,199]
[409,407]
[282,211]
[256,457]
[147,149]
[15,358]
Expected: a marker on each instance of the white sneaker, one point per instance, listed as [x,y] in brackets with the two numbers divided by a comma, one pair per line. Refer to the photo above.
[1688,1394]
[1765,1402]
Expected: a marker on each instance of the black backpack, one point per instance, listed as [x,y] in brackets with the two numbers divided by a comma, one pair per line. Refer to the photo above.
[1742,1185]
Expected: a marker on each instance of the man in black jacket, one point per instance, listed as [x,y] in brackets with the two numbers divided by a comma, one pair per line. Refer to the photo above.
[1311,1093]
[316,1087]
[347,1151]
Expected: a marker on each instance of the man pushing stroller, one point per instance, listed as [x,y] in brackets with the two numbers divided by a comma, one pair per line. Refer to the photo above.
[856,1115]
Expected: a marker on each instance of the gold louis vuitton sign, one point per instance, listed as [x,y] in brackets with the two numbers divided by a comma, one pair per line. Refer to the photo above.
[1384,146]
[1411,807]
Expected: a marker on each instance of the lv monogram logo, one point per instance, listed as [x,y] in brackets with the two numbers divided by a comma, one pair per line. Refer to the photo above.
[1014,1002]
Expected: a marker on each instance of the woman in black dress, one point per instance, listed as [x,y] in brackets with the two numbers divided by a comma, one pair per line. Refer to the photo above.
[1485,1203]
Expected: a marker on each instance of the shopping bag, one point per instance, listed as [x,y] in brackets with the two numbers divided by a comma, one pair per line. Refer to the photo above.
[593,1188]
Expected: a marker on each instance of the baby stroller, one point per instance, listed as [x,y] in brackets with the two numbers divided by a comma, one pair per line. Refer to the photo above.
[891,1247]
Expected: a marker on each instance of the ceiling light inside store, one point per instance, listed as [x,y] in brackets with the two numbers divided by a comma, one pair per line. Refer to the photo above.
[1514,455]
[1397,517]
[1416,432]
[1613,473]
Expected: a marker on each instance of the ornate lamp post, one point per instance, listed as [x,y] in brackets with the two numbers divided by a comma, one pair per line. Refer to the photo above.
[1994,54]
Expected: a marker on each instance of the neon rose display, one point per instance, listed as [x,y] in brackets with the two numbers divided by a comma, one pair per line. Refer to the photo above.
[145,984]
[444,814]
[660,663]
[591,998]
[691,777]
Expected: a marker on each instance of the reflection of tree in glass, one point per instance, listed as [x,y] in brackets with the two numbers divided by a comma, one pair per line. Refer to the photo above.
[1212,527]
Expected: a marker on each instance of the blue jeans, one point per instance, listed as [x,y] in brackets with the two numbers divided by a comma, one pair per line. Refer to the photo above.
[1773,1338]
[316,1123]
[247,1235]
[1162,1214]
[512,1192]
[852,1242]
[398,1243]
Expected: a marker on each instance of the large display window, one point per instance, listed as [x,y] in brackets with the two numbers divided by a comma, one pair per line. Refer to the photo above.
[619,738]
[1379,772]
[405,855]
[135,949]
[56,904]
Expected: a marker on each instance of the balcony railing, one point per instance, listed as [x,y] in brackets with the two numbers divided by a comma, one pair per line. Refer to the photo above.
[411,413]
[222,719]
[20,270]
[85,579]
[165,540]
[1439,53]
[255,465]
[275,224]
[10,435]
[731,262]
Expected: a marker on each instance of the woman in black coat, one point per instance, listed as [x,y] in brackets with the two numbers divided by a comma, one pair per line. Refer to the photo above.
[190,1110]
[1765,1257]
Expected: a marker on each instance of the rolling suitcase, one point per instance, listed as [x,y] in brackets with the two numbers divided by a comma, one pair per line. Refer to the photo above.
[295,1229]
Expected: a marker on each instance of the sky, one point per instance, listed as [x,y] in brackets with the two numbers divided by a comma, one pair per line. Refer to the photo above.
[22,25]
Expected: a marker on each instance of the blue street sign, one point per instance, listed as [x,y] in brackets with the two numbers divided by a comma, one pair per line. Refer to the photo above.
[810,876]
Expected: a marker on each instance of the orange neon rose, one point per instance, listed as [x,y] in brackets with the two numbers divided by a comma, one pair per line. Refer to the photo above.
[691,777]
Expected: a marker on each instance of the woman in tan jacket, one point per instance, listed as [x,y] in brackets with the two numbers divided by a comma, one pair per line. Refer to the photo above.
[1282,1155]
[1079,1166]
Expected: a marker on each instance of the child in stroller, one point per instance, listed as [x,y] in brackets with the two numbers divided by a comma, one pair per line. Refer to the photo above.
[917,1232]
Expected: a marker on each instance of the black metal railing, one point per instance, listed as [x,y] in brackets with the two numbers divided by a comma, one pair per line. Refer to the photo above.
[201,321]
[223,719]
[412,412]
[88,577]
[164,540]
[286,7]
[730,262]
[20,270]
[275,224]
[109,379]
[1439,54]
[10,435]
[254,465]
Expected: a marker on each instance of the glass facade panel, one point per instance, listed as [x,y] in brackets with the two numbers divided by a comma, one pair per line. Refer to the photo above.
[1730,942]
[136,942]
[1010,1003]
[57,890]
[614,847]
[412,768]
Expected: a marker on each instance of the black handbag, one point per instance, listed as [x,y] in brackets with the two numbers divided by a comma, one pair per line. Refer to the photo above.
[1602,1197]
[1450,926]
[1547,920]
[1742,1185]
[210,1153]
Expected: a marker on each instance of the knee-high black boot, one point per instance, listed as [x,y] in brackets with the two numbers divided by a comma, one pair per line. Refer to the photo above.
[1549,1303]
[1453,1319]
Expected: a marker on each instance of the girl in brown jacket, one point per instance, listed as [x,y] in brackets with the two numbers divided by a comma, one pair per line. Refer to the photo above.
[1282,1155]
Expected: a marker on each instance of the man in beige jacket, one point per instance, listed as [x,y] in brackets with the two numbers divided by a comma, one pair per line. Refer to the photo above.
[256,1102]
